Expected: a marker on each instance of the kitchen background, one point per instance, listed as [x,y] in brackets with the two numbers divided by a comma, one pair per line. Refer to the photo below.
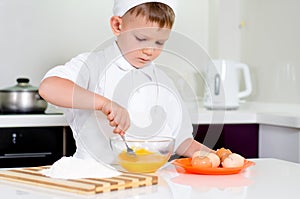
[36,35]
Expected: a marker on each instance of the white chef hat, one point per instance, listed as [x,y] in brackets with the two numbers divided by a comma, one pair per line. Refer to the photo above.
[122,6]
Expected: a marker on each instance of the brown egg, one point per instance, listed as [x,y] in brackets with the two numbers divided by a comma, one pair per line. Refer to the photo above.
[223,153]
[201,162]
[200,153]
[215,160]
[233,160]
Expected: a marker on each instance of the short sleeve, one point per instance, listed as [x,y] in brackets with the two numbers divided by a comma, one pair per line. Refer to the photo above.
[71,70]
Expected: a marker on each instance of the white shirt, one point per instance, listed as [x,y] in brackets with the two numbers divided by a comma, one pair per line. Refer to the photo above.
[153,103]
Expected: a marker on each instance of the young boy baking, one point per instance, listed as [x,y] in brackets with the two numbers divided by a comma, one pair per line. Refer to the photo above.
[113,90]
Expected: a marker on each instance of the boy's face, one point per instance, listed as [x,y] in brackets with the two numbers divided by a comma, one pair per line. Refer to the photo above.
[141,41]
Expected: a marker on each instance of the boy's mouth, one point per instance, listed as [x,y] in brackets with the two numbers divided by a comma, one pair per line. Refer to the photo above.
[144,60]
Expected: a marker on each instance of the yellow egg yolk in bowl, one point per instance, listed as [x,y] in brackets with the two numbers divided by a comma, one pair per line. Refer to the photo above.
[150,154]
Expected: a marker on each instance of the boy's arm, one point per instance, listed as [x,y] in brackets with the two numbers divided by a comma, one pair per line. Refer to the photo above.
[188,147]
[65,93]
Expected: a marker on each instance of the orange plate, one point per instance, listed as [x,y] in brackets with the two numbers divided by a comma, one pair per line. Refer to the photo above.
[183,165]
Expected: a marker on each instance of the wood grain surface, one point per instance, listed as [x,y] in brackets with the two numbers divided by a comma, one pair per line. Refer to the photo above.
[33,176]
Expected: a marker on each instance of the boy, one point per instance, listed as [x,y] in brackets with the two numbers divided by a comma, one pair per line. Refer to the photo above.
[93,87]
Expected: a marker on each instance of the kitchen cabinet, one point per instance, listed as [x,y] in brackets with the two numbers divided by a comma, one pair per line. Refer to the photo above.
[279,142]
[239,138]
[34,146]
[69,142]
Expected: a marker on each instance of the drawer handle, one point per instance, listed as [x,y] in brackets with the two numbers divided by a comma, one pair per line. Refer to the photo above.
[25,155]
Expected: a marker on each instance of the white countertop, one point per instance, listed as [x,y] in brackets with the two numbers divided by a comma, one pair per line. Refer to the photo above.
[269,178]
[32,120]
[287,115]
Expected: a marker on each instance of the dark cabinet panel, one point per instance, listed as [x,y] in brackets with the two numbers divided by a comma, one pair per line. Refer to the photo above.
[30,146]
[34,146]
[239,138]
[70,144]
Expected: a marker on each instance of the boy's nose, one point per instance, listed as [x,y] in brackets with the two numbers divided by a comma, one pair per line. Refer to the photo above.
[148,51]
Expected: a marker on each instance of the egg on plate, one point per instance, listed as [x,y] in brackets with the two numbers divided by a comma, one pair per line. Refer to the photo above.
[222,158]
[201,159]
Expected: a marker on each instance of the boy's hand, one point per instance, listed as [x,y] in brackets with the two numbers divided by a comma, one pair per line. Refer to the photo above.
[117,116]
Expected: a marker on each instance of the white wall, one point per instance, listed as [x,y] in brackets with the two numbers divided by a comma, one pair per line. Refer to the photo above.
[271,46]
[36,35]
[224,32]
[264,34]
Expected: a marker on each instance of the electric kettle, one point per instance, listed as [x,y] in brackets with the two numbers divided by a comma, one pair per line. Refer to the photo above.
[222,88]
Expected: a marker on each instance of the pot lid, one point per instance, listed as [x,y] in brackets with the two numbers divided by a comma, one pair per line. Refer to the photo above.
[22,85]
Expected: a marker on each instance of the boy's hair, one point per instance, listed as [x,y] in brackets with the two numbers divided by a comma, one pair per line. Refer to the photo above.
[155,12]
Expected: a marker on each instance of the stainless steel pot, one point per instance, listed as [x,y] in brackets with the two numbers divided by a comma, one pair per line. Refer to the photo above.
[21,98]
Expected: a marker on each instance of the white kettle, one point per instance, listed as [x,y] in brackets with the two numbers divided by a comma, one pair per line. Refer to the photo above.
[222,89]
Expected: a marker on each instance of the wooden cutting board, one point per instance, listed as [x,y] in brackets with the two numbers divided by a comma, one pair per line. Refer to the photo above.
[32,176]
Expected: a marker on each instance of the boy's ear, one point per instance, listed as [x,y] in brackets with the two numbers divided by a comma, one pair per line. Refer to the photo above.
[116,24]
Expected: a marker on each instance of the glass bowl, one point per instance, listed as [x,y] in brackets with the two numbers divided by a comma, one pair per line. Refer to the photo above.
[151,153]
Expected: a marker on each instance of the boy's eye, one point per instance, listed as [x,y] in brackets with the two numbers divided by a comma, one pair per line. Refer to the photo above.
[140,39]
[160,43]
